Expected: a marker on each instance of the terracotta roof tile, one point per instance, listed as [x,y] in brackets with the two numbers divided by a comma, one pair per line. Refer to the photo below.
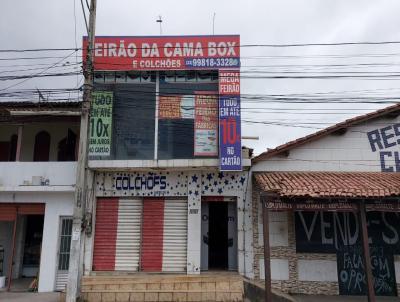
[330,184]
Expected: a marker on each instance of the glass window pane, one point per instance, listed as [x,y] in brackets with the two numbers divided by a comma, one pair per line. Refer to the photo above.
[176,116]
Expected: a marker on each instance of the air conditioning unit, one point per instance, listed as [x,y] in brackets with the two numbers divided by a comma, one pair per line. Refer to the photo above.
[37,180]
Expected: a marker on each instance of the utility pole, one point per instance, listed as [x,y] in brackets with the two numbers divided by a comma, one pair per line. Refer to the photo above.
[82,171]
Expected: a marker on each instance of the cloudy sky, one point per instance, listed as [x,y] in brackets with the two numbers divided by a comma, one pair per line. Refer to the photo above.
[52,24]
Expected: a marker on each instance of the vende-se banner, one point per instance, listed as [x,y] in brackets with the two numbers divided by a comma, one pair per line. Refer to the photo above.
[230,143]
[165,53]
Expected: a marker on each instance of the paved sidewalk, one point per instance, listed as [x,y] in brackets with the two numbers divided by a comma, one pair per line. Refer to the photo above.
[29,297]
[306,298]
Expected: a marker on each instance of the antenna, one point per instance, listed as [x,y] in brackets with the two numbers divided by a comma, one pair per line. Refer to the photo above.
[159,20]
[214,22]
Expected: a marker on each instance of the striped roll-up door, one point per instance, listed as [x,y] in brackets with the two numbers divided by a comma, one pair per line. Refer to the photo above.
[152,234]
[175,236]
[127,252]
[105,234]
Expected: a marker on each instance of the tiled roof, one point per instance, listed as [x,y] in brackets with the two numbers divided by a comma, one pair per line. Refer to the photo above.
[394,109]
[330,184]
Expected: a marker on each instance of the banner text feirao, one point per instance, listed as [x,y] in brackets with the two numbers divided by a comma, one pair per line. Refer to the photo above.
[167,50]
[123,48]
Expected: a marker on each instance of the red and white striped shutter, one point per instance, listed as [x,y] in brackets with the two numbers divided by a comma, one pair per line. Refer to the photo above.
[152,234]
[175,236]
[127,252]
[105,234]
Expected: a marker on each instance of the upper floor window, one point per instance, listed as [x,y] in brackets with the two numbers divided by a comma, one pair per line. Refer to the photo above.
[169,115]
[67,147]
[42,147]
[8,149]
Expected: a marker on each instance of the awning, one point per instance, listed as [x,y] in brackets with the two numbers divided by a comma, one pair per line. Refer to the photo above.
[330,184]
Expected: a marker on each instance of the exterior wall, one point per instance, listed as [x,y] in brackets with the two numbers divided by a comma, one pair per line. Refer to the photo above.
[315,273]
[291,272]
[191,185]
[57,204]
[60,175]
[348,152]
[57,132]
[6,131]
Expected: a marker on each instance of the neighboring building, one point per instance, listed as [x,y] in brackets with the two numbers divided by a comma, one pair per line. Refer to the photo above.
[318,187]
[38,143]
[169,189]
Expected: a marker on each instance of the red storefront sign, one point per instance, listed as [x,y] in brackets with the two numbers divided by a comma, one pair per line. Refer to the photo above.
[165,53]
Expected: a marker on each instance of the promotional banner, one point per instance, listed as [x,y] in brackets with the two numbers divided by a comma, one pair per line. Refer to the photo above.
[206,124]
[230,145]
[176,107]
[165,53]
[100,123]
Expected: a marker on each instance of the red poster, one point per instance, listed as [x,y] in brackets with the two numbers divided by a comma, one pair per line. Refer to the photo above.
[176,107]
[165,53]
[169,107]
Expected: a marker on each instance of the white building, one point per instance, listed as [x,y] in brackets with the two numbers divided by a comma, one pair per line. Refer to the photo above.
[317,189]
[37,181]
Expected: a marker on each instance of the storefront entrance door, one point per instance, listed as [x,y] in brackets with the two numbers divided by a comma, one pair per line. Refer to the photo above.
[219,235]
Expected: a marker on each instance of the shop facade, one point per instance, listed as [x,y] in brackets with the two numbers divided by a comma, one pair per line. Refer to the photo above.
[332,201]
[37,179]
[176,222]
[169,172]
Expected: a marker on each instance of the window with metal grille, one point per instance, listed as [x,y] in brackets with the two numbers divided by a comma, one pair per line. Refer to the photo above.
[65,243]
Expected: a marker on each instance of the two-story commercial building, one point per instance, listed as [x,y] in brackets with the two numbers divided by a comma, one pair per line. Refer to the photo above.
[327,197]
[165,147]
[38,142]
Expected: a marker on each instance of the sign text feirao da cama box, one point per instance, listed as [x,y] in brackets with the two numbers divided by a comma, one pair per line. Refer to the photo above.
[220,53]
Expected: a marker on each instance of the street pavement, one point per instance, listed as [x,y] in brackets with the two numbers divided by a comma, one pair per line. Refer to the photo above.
[308,298]
[29,297]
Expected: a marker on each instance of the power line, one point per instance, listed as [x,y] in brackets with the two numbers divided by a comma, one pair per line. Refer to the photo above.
[237,46]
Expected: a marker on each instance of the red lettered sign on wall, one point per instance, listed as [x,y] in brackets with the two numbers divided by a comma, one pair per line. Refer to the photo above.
[165,53]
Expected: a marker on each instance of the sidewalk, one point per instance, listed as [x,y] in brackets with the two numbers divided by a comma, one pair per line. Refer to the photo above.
[310,298]
[29,297]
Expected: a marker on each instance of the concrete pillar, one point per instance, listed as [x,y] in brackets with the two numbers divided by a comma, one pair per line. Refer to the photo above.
[48,258]
[194,223]
[19,246]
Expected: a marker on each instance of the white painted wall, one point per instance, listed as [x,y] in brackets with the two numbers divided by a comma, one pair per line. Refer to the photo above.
[57,132]
[57,204]
[278,228]
[317,270]
[13,174]
[279,269]
[348,152]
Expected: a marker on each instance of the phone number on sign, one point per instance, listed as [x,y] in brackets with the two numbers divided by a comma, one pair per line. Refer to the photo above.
[213,62]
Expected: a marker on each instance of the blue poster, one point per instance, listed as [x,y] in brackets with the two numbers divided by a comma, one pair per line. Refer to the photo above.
[230,145]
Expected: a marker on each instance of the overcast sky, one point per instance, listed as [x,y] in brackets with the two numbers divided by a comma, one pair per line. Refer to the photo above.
[51,24]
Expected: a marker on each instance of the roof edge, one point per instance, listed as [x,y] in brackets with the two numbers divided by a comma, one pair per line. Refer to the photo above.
[324,132]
